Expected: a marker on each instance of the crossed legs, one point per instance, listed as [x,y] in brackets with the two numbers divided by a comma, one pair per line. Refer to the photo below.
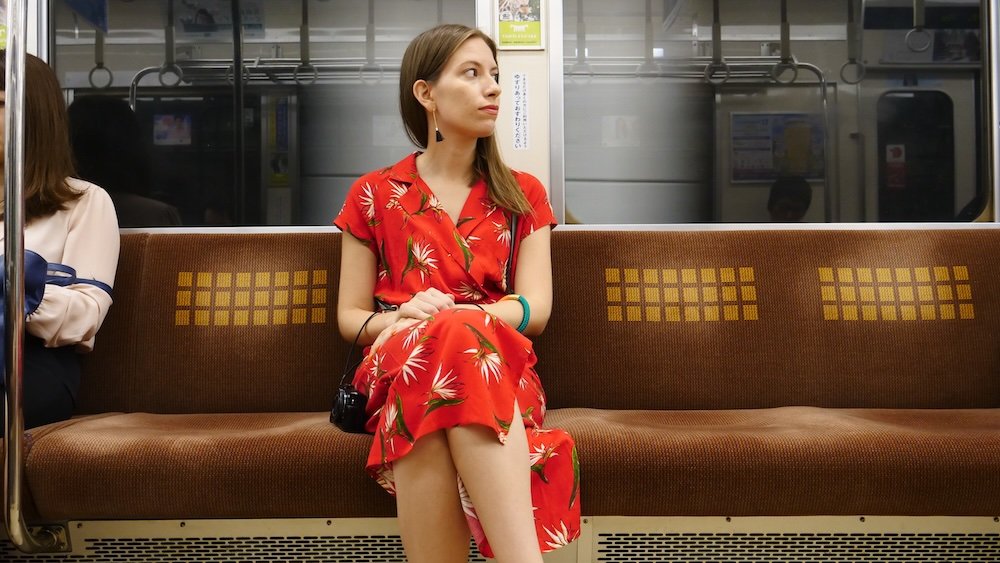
[497,478]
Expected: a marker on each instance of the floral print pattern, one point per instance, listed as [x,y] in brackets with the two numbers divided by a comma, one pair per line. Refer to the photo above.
[462,366]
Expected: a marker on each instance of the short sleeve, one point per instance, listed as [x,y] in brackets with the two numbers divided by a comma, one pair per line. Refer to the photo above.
[541,210]
[358,216]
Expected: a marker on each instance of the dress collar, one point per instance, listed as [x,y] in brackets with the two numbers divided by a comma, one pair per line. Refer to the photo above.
[405,170]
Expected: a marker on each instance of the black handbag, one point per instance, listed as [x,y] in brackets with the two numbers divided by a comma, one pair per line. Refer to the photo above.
[348,411]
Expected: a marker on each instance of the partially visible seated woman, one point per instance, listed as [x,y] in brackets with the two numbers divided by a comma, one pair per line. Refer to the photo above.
[69,222]
[110,151]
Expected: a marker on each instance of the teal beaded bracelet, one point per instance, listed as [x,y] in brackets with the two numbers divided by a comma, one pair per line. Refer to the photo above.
[526,310]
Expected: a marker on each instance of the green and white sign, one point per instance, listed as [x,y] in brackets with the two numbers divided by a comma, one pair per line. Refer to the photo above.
[519,24]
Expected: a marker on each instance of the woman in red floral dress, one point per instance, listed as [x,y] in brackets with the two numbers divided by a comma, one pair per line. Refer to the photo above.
[453,398]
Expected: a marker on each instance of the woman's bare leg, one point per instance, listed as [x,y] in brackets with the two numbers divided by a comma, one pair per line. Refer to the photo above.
[430,513]
[498,480]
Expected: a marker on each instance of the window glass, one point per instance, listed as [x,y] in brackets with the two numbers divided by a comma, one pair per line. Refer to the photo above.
[317,111]
[843,115]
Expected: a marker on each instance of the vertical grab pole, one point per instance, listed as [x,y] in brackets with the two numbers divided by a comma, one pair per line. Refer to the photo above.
[13,206]
[14,271]
[991,85]
[239,137]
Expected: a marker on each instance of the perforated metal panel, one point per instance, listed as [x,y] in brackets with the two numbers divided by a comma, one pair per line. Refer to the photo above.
[605,539]
[344,549]
[819,539]
[350,540]
[795,548]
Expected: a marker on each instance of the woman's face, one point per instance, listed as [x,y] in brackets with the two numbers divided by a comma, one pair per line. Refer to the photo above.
[466,94]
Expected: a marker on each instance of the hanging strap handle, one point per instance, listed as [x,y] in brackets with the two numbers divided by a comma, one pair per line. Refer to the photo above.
[913,37]
[853,48]
[717,64]
[305,73]
[787,61]
[169,66]
[99,63]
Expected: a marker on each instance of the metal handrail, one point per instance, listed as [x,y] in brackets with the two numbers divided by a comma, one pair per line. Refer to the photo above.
[740,67]
[25,539]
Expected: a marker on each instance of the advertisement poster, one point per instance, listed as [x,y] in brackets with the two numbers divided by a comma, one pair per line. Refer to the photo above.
[172,129]
[94,11]
[213,19]
[768,145]
[519,24]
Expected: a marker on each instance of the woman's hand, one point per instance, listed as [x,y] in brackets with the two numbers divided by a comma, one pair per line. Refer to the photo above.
[425,304]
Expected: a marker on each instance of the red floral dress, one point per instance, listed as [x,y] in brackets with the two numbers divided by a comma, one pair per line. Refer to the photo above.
[462,366]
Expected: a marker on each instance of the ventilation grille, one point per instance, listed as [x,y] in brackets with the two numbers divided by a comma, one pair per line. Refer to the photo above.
[335,549]
[796,548]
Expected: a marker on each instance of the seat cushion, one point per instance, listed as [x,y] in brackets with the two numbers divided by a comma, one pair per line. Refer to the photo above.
[147,466]
[768,462]
[786,461]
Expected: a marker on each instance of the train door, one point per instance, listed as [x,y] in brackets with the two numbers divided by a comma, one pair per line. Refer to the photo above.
[922,157]
[920,108]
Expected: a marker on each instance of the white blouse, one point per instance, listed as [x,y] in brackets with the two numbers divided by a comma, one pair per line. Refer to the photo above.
[84,236]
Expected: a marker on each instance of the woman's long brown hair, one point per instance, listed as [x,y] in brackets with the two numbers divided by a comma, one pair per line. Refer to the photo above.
[48,157]
[424,59]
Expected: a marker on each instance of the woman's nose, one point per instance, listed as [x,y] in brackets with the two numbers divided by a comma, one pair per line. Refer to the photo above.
[492,87]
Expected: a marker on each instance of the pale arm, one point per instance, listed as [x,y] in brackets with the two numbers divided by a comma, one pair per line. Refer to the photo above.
[357,285]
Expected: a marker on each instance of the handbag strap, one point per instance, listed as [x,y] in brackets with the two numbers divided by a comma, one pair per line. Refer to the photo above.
[380,307]
[63,275]
[510,259]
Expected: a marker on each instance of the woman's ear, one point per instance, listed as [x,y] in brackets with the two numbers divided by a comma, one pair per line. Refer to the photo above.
[422,92]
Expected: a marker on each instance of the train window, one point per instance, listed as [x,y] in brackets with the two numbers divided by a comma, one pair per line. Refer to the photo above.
[716,111]
[673,111]
[319,108]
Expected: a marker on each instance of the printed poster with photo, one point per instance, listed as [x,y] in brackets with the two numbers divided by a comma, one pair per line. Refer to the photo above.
[519,24]
[768,145]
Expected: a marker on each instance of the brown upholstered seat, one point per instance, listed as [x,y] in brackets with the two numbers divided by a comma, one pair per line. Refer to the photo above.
[148,466]
[787,461]
[737,373]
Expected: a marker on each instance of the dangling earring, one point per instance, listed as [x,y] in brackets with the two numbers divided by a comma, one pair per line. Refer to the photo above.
[437,132]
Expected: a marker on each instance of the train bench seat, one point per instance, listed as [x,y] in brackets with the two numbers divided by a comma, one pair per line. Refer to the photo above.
[702,373]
